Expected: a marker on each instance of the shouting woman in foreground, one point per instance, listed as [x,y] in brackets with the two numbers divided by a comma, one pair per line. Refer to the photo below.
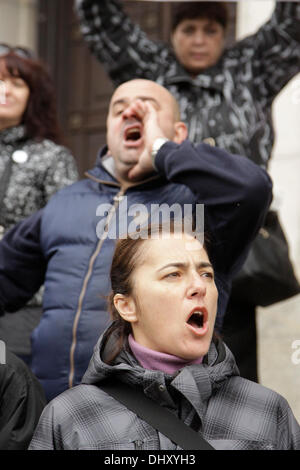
[162,343]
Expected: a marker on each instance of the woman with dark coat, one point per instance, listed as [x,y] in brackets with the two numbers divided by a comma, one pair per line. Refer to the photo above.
[33,163]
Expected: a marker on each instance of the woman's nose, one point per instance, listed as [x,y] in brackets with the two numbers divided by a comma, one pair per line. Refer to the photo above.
[7,86]
[199,37]
[197,286]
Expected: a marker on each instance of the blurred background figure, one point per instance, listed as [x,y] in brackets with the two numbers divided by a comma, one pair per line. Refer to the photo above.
[225,96]
[33,163]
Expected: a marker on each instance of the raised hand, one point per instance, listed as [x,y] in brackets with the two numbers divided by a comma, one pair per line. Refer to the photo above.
[151,130]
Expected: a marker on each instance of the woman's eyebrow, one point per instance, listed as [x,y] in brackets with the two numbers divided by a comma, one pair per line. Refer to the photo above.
[200,265]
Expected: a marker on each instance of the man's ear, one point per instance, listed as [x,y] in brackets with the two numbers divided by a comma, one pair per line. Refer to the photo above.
[181,132]
[126,307]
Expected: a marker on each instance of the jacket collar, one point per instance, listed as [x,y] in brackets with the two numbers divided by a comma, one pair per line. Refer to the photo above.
[13,135]
[196,382]
[100,172]
[104,173]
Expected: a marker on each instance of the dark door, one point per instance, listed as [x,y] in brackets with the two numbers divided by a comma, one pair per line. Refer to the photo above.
[83,88]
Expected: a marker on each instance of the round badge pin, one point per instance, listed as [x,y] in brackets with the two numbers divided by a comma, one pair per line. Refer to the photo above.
[20,156]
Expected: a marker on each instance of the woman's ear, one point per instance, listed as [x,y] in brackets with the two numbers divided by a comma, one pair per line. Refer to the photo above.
[181,132]
[126,307]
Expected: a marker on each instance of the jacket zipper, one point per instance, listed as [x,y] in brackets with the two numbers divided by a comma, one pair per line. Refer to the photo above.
[117,200]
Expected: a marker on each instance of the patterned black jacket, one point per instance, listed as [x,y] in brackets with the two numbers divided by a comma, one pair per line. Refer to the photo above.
[47,168]
[229,103]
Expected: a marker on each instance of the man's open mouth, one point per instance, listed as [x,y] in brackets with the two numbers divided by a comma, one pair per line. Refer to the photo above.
[133,134]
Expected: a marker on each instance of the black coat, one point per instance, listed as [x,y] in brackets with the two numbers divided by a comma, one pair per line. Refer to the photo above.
[21,403]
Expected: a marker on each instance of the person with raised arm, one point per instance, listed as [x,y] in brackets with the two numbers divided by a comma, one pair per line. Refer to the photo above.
[147,166]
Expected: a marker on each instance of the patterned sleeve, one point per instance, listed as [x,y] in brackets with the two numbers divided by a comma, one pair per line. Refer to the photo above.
[122,47]
[61,170]
[274,50]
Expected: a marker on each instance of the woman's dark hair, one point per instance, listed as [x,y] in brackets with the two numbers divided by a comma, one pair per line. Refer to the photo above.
[40,117]
[127,257]
[216,11]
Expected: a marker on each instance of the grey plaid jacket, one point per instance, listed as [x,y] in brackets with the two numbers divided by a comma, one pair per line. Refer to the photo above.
[230,103]
[229,411]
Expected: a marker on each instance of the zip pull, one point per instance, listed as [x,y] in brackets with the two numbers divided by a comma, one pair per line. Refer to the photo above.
[138,445]
[118,197]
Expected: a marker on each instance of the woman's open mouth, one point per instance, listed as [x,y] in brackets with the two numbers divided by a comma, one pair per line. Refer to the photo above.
[198,321]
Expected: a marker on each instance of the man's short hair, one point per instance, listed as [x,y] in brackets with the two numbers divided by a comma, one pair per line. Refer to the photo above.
[217,11]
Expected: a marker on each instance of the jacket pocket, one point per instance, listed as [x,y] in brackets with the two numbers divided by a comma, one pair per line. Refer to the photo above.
[151,443]
[241,444]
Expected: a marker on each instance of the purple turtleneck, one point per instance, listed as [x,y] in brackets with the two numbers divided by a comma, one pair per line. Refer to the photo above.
[155,360]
